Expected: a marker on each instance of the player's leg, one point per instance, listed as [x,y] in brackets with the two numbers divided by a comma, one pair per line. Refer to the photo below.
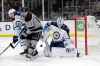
[32,51]
[25,45]
[34,38]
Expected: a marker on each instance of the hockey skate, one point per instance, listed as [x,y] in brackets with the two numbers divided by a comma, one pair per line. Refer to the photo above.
[30,55]
[24,52]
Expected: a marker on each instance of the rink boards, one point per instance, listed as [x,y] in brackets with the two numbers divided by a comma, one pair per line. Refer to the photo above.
[6,30]
[6,33]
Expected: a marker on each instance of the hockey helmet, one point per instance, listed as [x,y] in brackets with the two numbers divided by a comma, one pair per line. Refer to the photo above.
[60,21]
[11,13]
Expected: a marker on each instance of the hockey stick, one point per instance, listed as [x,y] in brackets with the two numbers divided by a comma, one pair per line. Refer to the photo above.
[12,44]
[8,47]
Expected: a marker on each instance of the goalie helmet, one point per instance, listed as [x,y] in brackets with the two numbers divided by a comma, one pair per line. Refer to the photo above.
[60,21]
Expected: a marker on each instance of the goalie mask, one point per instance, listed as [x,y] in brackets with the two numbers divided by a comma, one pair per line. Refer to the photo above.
[60,21]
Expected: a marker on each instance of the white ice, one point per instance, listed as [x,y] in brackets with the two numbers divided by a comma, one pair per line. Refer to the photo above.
[12,58]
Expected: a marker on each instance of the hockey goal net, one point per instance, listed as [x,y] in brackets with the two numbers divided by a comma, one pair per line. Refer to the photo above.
[80,34]
[86,35]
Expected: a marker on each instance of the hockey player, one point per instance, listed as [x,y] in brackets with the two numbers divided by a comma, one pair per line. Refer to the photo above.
[60,24]
[33,33]
[60,35]
[18,23]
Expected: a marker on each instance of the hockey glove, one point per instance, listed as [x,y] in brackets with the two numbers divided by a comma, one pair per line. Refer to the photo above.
[15,39]
[22,37]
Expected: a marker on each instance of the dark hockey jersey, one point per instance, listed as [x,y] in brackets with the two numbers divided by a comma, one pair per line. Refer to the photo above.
[34,25]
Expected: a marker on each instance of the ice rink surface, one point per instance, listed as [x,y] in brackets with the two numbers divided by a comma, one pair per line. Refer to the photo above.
[12,58]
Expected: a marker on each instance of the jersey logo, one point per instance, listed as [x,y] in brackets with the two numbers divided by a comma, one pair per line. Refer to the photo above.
[56,35]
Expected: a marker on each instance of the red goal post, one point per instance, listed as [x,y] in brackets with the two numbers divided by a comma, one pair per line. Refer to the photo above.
[76,19]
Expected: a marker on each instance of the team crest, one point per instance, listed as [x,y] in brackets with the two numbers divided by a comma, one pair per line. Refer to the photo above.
[56,35]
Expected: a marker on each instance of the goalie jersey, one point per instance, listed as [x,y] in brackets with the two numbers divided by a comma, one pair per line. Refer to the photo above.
[57,34]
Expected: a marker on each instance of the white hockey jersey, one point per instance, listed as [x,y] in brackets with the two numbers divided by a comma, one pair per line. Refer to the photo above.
[56,33]
[18,24]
